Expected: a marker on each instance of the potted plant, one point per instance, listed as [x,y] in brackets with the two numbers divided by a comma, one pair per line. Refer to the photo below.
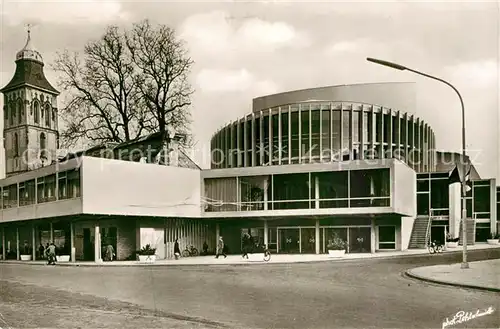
[146,254]
[336,246]
[451,242]
[27,252]
[494,239]
[62,254]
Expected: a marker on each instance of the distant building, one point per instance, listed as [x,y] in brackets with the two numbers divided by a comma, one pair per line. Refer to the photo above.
[350,161]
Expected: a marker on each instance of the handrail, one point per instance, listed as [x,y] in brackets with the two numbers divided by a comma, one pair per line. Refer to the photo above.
[428,231]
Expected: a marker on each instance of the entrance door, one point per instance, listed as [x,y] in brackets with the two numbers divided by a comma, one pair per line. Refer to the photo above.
[359,239]
[289,240]
[308,240]
[88,248]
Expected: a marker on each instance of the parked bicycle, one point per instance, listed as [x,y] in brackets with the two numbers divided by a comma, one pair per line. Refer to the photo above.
[435,247]
[267,255]
[190,251]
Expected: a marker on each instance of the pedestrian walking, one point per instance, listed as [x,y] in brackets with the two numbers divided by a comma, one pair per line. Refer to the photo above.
[205,248]
[244,243]
[177,250]
[51,254]
[220,248]
[41,251]
[110,252]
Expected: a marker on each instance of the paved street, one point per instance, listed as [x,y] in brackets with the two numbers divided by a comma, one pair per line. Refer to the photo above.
[356,294]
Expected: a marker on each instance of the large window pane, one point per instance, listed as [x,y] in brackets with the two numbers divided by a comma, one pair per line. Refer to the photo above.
[27,193]
[387,127]
[220,194]
[275,133]
[305,132]
[325,131]
[355,126]
[332,189]
[295,136]
[346,129]
[252,190]
[249,141]
[9,196]
[336,132]
[284,138]
[422,204]
[387,237]
[370,188]
[257,142]
[291,187]
[439,194]
[481,199]
[265,128]
[315,134]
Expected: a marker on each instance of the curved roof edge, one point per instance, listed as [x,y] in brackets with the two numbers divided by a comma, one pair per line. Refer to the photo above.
[397,95]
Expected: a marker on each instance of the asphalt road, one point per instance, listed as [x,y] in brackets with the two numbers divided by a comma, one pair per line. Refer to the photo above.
[355,294]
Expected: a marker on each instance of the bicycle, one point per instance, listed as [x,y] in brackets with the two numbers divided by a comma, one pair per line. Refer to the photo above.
[434,247]
[267,255]
[190,251]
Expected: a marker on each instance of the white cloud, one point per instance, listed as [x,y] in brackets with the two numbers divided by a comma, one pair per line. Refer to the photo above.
[216,33]
[222,80]
[62,11]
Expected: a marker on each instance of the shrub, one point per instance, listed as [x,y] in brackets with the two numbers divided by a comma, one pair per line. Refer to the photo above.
[336,243]
[146,251]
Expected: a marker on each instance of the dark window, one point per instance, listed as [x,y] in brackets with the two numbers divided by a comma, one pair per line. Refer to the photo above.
[371,187]
[265,127]
[36,108]
[481,199]
[294,116]
[257,142]
[332,185]
[9,194]
[346,129]
[252,192]
[304,133]
[325,133]
[387,237]
[355,126]
[337,139]
[423,204]
[378,127]
[47,115]
[291,188]
[275,133]
[27,193]
[422,186]
[387,127]
[395,129]
[439,194]
[16,145]
[468,206]
[315,133]
[19,111]
[284,138]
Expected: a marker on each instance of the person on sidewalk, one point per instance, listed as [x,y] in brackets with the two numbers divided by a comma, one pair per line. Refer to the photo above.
[220,248]
[177,250]
[41,251]
[244,243]
[51,254]
[110,252]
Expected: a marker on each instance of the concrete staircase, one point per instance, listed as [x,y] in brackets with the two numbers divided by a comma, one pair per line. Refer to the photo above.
[419,233]
[471,232]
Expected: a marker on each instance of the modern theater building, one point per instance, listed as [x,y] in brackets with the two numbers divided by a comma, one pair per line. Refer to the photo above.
[352,160]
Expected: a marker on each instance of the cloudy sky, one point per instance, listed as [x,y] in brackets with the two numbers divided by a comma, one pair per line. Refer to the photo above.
[247,49]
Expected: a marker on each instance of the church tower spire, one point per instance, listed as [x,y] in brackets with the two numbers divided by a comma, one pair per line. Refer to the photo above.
[30,113]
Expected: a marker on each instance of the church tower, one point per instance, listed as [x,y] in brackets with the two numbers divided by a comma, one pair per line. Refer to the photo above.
[30,115]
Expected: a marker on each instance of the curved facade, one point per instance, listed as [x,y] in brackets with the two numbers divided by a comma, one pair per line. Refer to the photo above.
[300,129]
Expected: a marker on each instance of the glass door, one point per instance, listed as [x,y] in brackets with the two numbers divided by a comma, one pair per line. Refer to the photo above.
[308,240]
[289,240]
[359,239]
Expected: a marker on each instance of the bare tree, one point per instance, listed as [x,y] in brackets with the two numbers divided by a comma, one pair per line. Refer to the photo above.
[128,84]
[163,83]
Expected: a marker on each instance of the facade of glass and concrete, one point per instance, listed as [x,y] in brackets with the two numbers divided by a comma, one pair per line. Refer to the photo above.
[350,160]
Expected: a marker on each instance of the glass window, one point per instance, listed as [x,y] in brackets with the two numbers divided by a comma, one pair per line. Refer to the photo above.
[9,194]
[36,107]
[365,127]
[19,111]
[481,199]
[249,141]
[284,138]
[305,150]
[371,188]
[387,127]
[16,145]
[265,128]
[439,194]
[355,126]
[468,206]
[395,129]
[422,186]
[27,193]
[252,190]
[337,140]
[221,194]
[325,130]
[46,189]
[294,116]
[257,142]
[47,115]
[332,185]
[289,190]
[423,204]
[378,127]
[387,237]
[346,129]
[315,134]
[275,134]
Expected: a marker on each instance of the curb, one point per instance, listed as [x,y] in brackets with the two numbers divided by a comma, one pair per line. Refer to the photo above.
[343,260]
[447,283]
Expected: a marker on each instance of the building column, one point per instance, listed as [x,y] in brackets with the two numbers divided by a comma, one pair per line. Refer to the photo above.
[266,188]
[373,242]
[72,242]
[4,247]
[217,234]
[316,192]
[33,240]
[316,238]
[51,233]
[17,243]
[97,243]
[266,233]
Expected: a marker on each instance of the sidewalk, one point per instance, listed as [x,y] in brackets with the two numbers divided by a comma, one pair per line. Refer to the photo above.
[484,275]
[238,260]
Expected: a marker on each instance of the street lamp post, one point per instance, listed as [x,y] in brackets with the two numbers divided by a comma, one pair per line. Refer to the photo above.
[464,264]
